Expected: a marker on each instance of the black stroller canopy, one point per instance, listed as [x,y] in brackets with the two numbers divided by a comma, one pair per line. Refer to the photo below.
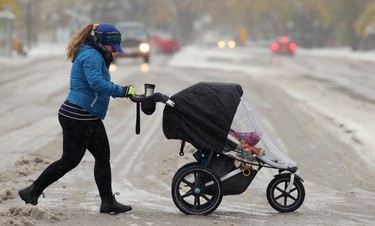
[203,114]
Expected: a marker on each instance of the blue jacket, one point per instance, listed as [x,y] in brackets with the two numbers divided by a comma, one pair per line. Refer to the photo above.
[90,82]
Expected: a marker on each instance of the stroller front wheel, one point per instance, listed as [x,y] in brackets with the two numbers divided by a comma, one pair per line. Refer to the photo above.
[281,200]
[196,190]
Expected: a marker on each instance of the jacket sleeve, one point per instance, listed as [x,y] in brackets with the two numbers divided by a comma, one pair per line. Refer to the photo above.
[95,72]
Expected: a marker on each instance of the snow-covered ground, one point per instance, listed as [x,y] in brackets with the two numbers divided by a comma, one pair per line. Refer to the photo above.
[72,199]
[235,60]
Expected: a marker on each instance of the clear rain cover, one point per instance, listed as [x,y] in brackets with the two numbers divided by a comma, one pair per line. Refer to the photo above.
[245,120]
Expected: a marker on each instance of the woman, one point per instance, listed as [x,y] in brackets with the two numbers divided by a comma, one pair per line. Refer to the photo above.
[81,115]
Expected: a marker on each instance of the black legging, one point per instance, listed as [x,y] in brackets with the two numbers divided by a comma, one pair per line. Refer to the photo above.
[77,137]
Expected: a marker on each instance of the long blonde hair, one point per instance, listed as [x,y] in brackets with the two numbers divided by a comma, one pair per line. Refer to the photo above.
[78,39]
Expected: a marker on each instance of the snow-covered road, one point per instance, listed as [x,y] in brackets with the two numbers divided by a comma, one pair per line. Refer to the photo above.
[318,106]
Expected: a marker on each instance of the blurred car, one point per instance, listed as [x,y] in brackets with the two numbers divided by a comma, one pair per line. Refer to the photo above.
[226,44]
[284,46]
[165,44]
[136,40]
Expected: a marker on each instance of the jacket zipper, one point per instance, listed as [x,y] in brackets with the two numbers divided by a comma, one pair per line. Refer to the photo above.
[96,98]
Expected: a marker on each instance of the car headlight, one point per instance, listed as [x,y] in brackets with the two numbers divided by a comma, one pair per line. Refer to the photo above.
[221,44]
[144,47]
[231,44]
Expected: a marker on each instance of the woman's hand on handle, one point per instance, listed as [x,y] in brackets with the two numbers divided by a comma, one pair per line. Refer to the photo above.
[129,91]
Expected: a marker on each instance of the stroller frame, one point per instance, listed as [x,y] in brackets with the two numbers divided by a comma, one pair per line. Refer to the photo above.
[285,185]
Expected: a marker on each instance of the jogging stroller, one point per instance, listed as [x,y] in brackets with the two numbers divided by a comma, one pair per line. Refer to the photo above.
[231,147]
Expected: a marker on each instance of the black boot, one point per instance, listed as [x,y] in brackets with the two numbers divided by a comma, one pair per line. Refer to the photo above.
[28,195]
[110,205]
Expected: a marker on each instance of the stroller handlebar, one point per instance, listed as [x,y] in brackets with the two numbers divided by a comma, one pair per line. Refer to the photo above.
[147,102]
[155,97]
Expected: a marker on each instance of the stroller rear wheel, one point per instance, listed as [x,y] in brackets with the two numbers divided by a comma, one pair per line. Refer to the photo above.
[196,190]
[281,200]
[183,168]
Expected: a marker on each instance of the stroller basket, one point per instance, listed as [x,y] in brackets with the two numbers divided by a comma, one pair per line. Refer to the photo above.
[234,180]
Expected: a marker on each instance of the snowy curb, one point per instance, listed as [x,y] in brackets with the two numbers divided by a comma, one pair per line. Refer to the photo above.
[40,52]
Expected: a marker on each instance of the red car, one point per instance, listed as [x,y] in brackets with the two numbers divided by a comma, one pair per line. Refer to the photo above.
[165,45]
[284,46]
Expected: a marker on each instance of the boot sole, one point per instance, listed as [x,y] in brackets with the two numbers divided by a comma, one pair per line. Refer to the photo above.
[114,212]
[27,201]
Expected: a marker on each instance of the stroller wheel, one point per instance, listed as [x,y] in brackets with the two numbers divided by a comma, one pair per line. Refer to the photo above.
[196,190]
[282,201]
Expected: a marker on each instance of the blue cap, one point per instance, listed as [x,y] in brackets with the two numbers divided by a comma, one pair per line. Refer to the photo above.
[108,34]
